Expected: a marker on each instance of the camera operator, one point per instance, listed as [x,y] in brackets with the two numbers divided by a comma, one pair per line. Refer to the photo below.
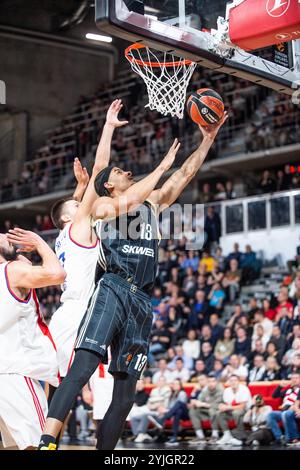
[256,418]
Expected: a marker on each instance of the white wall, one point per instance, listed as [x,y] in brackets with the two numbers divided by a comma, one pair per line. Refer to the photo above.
[278,241]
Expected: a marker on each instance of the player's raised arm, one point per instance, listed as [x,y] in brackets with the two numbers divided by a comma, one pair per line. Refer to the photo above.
[101,160]
[23,274]
[174,186]
[104,148]
[136,194]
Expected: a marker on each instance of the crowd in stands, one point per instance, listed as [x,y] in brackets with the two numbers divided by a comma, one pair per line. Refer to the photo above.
[140,144]
[269,181]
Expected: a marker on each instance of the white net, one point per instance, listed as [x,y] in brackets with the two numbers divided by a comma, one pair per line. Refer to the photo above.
[165,76]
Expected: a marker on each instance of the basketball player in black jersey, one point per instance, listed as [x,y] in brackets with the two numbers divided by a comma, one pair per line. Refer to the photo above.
[120,311]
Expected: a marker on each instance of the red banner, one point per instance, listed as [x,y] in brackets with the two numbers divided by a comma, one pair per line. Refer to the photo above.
[260,23]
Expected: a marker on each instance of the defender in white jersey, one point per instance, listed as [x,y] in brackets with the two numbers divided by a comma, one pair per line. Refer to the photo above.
[79,262]
[77,246]
[27,350]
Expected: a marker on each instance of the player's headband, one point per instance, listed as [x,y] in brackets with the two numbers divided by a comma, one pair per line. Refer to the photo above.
[101,179]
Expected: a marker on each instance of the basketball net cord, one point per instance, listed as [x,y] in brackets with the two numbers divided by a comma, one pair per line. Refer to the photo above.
[166,79]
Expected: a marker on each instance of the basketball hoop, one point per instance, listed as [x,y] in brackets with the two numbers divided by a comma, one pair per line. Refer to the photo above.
[166,77]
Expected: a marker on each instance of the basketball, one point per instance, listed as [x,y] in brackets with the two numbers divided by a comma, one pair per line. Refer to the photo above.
[205,107]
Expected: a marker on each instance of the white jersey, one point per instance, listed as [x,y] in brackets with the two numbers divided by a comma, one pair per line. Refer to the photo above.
[26,345]
[79,262]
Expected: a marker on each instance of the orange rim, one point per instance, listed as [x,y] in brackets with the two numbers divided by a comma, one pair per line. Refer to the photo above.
[133,60]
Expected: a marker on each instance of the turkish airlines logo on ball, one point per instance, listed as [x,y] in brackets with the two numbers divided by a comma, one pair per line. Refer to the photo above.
[277,8]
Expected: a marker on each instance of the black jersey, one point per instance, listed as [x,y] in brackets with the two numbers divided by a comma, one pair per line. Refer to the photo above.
[129,246]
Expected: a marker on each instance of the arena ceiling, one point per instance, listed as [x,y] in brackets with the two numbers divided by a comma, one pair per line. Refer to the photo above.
[48,16]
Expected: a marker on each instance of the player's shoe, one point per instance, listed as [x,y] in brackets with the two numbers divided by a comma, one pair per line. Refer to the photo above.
[50,446]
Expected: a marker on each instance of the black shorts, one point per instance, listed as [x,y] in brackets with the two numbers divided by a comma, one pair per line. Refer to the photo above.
[120,316]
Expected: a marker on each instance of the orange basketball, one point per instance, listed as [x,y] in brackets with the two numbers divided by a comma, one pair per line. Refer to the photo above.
[205,107]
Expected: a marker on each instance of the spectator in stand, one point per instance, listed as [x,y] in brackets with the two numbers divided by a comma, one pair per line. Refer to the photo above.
[219,259]
[267,183]
[205,407]
[163,371]
[191,261]
[258,349]
[272,371]
[291,353]
[235,254]
[236,399]
[216,297]
[242,345]
[191,346]
[159,397]
[267,310]
[284,308]
[252,308]
[294,367]
[235,367]
[207,356]
[260,319]
[272,351]
[279,340]
[256,418]
[235,317]
[230,193]
[198,311]
[289,397]
[225,346]
[179,354]
[287,176]
[216,274]
[199,371]
[160,339]
[231,280]
[177,411]
[221,192]
[140,400]
[212,228]
[206,335]
[208,261]
[217,369]
[256,373]
[216,328]
[259,334]
[250,265]
[206,195]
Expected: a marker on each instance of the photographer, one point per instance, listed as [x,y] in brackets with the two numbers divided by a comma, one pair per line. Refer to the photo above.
[256,418]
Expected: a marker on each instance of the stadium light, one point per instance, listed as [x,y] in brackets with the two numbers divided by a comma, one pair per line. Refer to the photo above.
[98,37]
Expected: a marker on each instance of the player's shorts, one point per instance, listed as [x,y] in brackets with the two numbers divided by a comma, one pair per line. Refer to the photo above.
[23,410]
[64,326]
[120,316]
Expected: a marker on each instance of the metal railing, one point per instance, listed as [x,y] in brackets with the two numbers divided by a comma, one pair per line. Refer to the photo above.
[264,212]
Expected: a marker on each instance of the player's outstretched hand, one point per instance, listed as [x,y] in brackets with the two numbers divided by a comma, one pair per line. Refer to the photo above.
[168,161]
[81,174]
[112,114]
[26,240]
[212,131]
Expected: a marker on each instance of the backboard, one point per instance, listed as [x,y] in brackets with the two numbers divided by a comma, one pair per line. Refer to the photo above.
[201,30]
